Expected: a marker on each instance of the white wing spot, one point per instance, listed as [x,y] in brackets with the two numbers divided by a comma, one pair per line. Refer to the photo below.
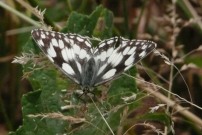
[109,74]
[103,56]
[61,44]
[54,42]
[126,50]
[82,54]
[97,57]
[109,51]
[124,43]
[142,43]
[43,35]
[71,41]
[79,66]
[87,43]
[64,54]
[53,34]
[129,60]
[110,41]
[40,42]
[67,68]
[80,39]
[118,60]
[70,54]
[142,54]
[51,51]
[102,69]
[76,49]
[132,50]
[112,57]
[47,33]
[137,43]
[144,47]
[66,39]
[71,36]
[92,50]
[102,44]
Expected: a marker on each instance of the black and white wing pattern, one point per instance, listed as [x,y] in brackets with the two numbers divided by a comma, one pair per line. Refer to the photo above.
[67,51]
[117,54]
[75,56]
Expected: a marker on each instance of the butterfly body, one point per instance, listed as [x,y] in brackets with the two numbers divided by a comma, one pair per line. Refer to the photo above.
[91,66]
[89,73]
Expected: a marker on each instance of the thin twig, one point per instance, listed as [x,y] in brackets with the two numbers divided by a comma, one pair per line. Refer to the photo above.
[24,17]
[102,117]
[153,91]
[193,13]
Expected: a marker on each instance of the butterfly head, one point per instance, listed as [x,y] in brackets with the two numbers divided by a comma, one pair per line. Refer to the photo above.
[86,89]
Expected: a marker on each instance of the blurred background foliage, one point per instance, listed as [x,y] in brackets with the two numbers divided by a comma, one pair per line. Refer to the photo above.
[175,25]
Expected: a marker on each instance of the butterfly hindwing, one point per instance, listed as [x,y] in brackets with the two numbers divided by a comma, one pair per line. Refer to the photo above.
[67,51]
[116,55]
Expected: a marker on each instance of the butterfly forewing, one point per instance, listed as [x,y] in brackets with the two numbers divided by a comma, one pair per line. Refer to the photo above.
[68,51]
[116,55]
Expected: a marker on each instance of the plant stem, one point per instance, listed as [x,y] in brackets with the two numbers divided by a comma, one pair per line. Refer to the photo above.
[5,6]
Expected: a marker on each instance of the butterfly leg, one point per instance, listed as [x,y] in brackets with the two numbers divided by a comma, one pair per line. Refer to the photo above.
[86,94]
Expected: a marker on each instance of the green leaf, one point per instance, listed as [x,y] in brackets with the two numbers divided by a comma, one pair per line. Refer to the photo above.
[195,60]
[99,23]
[160,117]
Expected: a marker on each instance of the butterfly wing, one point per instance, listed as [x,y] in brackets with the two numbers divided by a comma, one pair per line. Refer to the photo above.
[116,55]
[68,51]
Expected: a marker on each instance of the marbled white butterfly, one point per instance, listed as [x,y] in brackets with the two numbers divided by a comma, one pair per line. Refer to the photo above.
[90,66]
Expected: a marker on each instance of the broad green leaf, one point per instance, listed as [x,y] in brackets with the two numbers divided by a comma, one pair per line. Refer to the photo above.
[98,24]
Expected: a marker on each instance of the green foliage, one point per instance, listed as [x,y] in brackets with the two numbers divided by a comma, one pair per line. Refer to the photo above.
[195,60]
[99,23]
[47,83]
